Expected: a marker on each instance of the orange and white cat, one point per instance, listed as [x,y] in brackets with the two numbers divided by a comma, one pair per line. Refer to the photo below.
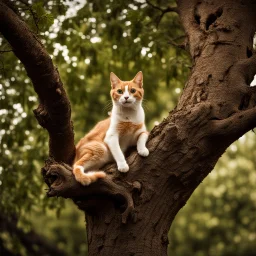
[110,138]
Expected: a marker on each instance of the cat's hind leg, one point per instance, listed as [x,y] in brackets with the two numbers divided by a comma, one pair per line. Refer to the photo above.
[86,178]
[92,159]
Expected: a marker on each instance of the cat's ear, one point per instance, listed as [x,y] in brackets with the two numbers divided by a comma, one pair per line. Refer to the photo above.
[138,79]
[114,80]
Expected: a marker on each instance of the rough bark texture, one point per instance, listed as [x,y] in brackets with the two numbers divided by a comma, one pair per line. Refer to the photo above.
[130,214]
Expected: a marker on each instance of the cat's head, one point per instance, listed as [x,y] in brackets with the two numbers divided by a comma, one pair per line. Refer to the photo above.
[127,93]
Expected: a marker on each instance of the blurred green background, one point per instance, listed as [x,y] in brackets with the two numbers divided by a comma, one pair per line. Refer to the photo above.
[87,40]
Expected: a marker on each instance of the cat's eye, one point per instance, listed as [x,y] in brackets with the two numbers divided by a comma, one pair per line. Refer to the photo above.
[119,91]
[132,90]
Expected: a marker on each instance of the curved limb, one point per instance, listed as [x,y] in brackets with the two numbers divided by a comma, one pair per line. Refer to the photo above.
[61,182]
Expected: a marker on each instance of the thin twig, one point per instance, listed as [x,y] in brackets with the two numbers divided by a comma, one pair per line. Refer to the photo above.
[3,71]
[3,51]
[163,11]
[34,15]
[181,45]
[154,6]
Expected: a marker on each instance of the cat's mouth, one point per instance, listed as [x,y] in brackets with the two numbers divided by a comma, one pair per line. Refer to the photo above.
[127,103]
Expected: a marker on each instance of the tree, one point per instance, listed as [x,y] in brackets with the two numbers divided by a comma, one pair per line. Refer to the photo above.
[132,213]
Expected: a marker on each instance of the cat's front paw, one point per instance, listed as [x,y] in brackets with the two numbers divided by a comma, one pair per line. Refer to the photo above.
[143,152]
[123,167]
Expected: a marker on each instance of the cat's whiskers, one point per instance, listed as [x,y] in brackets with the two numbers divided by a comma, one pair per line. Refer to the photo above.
[108,106]
[121,110]
[144,105]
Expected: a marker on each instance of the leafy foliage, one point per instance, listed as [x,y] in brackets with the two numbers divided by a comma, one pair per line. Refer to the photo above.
[87,41]
[219,219]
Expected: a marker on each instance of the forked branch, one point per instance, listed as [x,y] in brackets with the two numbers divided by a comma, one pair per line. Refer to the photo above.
[167,9]
[62,183]
[163,11]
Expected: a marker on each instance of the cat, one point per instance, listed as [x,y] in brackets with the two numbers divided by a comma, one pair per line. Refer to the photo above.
[110,138]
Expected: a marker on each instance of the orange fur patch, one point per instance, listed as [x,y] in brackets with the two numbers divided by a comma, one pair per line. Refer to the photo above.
[121,85]
[128,127]
[87,178]
[92,146]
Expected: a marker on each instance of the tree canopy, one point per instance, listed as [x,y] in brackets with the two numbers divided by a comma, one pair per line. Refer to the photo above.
[87,40]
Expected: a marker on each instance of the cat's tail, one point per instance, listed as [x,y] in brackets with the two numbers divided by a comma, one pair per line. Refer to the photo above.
[86,178]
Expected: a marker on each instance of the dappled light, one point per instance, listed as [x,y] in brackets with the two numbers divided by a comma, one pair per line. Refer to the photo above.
[87,40]
[221,213]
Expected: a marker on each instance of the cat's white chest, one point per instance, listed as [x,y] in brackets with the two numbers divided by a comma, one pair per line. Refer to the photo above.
[125,127]
[128,115]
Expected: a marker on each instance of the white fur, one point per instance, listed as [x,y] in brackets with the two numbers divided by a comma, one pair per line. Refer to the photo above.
[122,112]
[141,148]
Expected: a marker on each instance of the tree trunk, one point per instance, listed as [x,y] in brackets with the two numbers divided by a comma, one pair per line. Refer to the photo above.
[130,214]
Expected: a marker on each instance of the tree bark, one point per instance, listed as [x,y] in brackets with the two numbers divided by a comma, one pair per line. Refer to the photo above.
[130,214]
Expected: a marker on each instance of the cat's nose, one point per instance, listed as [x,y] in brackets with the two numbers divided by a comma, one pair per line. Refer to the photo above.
[126,98]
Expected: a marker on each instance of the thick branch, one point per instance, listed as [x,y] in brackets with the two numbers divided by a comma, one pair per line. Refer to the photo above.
[54,110]
[246,68]
[61,182]
[235,126]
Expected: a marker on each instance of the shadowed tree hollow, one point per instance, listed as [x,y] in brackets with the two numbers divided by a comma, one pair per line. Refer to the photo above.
[130,214]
